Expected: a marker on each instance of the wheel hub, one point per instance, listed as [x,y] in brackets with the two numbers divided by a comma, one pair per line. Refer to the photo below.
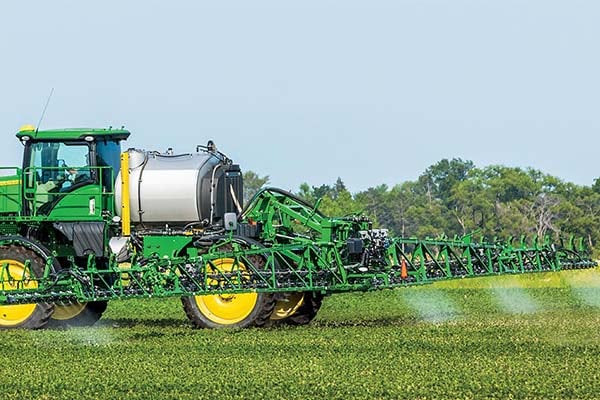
[14,275]
[227,308]
[288,305]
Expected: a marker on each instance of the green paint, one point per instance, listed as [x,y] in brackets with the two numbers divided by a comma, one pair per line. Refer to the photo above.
[10,193]
[165,246]
[74,134]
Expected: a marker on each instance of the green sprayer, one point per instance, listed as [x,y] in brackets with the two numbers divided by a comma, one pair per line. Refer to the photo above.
[83,223]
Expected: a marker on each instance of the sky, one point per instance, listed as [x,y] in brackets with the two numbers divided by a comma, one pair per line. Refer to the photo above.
[307,91]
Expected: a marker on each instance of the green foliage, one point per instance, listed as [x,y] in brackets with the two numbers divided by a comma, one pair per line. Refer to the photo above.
[426,343]
[336,200]
[439,179]
[252,184]
[340,205]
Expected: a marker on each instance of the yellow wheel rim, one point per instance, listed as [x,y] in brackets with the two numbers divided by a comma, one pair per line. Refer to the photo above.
[227,309]
[65,312]
[15,277]
[287,306]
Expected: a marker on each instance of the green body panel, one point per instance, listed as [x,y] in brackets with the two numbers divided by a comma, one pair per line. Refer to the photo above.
[165,246]
[73,134]
[83,204]
[10,193]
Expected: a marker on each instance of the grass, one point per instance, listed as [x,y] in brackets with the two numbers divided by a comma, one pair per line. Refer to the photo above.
[534,336]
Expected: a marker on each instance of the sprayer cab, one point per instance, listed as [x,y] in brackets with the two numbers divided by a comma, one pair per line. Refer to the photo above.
[65,160]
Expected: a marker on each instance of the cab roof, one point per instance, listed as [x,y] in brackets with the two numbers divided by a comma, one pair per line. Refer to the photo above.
[71,133]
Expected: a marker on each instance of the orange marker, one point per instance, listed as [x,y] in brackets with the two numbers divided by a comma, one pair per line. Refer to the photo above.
[403,271]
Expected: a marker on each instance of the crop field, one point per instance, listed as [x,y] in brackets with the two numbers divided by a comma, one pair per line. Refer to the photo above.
[533,336]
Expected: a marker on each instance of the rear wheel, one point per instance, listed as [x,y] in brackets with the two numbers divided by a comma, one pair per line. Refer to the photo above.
[77,314]
[307,310]
[230,310]
[15,274]
[287,305]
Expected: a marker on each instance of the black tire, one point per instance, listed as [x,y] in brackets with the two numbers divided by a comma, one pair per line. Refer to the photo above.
[307,311]
[258,317]
[40,315]
[88,316]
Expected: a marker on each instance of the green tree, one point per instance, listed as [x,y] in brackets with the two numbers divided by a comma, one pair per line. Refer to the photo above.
[252,184]
[375,203]
[507,184]
[596,185]
[335,200]
[306,193]
[439,179]
[341,206]
[471,205]
[402,203]
[579,214]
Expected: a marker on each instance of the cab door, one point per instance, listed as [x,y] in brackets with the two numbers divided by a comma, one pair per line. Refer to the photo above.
[62,181]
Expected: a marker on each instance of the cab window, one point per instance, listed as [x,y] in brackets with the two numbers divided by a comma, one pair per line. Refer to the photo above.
[61,163]
[109,160]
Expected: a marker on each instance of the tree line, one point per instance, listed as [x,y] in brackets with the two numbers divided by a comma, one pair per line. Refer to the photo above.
[454,197]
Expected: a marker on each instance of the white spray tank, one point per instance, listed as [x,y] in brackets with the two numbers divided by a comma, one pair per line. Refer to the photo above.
[178,189]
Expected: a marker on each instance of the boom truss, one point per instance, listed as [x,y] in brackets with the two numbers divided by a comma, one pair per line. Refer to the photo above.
[279,244]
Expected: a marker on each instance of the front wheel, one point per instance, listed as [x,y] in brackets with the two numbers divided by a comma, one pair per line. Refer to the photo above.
[231,310]
[15,274]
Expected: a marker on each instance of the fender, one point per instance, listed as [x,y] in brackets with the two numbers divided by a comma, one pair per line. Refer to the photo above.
[34,245]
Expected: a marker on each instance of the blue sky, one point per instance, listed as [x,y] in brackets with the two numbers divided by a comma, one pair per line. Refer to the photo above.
[371,91]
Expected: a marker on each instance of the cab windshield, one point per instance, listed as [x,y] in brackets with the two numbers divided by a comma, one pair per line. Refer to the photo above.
[59,166]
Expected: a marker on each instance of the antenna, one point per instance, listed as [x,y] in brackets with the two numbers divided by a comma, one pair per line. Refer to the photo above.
[44,112]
